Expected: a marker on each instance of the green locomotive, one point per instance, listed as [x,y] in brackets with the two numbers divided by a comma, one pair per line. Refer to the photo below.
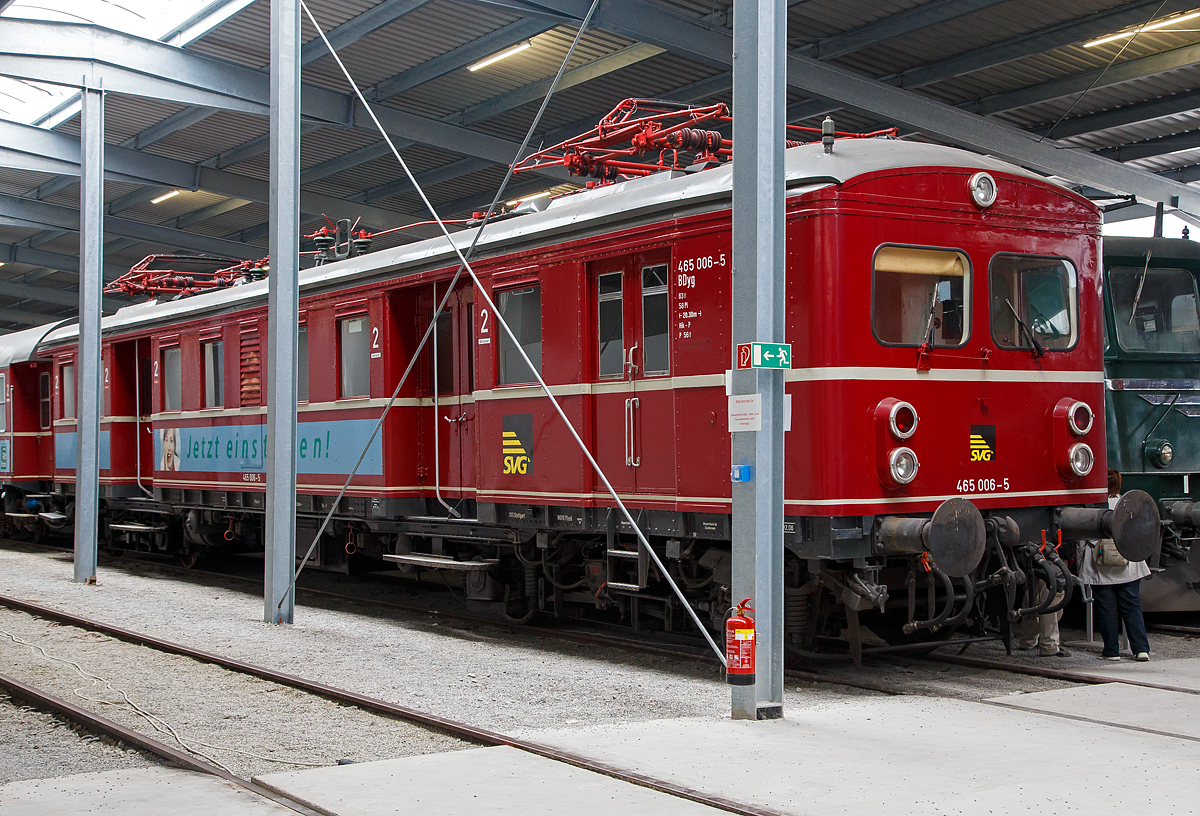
[1152,399]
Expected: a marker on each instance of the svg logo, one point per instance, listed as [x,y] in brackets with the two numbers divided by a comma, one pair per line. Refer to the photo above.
[983,443]
[517,443]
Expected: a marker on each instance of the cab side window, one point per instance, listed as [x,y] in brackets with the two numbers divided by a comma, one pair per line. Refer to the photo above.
[522,311]
[172,383]
[1034,302]
[354,357]
[921,295]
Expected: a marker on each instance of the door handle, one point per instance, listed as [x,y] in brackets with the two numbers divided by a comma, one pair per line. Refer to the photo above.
[628,433]
[630,368]
[634,459]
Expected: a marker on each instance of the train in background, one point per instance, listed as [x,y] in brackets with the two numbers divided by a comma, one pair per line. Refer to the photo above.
[946,393]
[1152,399]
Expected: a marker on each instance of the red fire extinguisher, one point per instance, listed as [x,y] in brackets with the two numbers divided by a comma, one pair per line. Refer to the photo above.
[739,647]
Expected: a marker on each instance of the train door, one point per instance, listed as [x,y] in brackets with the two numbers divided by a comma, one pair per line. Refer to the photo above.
[126,421]
[635,405]
[450,363]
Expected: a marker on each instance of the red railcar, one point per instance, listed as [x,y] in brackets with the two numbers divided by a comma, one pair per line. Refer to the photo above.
[946,399]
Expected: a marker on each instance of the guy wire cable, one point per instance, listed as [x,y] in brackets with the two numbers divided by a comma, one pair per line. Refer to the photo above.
[508,330]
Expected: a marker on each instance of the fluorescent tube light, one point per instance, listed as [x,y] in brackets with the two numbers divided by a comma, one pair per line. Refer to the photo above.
[164,197]
[494,58]
[1150,27]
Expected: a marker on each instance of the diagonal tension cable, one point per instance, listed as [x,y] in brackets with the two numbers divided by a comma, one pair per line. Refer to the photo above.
[465,265]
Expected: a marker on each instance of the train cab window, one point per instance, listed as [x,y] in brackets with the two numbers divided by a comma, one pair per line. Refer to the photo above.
[44,400]
[522,311]
[920,296]
[1033,299]
[214,374]
[172,383]
[1155,309]
[610,325]
[302,364]
[67,373]
[354,357]
[443,337]
[656,347]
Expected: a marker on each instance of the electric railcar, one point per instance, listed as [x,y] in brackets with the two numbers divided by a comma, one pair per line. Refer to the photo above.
[1152,399]
[945,395]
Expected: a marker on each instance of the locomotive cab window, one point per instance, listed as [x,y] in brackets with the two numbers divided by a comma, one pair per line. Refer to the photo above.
[67,373]
[522,311]
[44,400]
[1155,309]
[212,360]
[610,325]
[172,383]
[920,296]
[354,357]
[1034,302]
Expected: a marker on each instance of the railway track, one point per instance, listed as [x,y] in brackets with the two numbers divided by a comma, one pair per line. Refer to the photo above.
[1170,629]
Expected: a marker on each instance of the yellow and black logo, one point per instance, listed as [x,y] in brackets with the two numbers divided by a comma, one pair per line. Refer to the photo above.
[983,443]
[517,444]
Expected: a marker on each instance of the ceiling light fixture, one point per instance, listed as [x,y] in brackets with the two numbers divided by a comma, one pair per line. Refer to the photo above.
[517,201]
[164,197]
[1148,27]
[494,58]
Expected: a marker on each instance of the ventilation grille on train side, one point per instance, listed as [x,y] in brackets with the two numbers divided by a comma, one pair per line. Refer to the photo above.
[251,368]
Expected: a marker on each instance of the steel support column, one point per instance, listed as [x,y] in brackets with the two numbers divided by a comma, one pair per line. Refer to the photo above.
[87,368]
[283,305]
[759,101]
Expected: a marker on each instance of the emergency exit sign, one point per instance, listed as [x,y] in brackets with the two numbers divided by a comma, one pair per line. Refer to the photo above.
[764,355]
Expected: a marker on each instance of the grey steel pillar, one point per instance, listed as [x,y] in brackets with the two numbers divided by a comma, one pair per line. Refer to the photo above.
[759,80]
[283,305]
[91,282]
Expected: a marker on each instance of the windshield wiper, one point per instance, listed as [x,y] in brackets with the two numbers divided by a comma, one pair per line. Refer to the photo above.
[1038,349]
[1141,282]
[932,312]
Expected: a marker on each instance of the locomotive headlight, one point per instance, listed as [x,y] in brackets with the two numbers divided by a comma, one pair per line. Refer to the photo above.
[1160,452]
[902,420]
[903,464]
[1081,458]
[1080,418]
[983,189]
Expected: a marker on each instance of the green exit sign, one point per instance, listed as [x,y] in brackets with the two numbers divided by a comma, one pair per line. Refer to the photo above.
[765,355]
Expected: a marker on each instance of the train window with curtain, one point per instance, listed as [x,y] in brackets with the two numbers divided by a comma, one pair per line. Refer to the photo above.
[172,382]
[354,357]
[656,329]
[302,364]
[610,325]
[1034,299]
[214,374]
[67,373]
[1155,309]
[44,400]
[522,311]
[921,295]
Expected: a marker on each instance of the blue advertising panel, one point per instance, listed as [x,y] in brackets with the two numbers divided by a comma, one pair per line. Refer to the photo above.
[66,445]
[321,448]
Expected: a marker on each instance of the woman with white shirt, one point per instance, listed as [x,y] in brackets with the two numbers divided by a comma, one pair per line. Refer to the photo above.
[1115,585]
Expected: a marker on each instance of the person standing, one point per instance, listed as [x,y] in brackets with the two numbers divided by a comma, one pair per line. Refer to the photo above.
[1115,585]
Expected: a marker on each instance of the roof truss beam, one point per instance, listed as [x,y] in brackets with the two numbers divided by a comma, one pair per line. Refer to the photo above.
[1172,105]
[46,294]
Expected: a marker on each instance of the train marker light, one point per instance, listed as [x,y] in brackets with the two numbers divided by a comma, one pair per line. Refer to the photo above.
[983,189]
[1160,452]
[1081,458]
[902,420]
[903,465]
[1079,418]
[764,355]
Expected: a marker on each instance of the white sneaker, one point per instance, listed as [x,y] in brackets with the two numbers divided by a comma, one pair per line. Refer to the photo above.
[1109,657]
[1143,657]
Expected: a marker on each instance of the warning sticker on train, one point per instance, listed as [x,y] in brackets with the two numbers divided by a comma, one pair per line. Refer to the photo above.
[983,443]
[517,444]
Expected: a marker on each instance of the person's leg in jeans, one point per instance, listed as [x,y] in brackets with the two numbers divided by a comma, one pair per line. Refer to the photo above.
[1129,603]
[1027,632]
[1106,619]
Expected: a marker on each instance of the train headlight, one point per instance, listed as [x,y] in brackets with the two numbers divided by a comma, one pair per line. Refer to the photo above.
[902,420]
[1081,458]
[1079,418]
[903,465]
[1160,452]
[983,189]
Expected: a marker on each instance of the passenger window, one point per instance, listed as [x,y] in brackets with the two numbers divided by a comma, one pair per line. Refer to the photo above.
[610,325]
[67,373]
[354,356]
[44,400]
[522,311]
[920,296]
[656,347]
[1033,299]
[443,336]
[213,374]
[302,364]
[171,379]
[1155,309]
